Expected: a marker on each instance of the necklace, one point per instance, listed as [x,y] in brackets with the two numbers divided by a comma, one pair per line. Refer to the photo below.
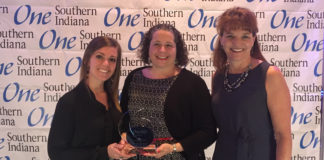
[236,84]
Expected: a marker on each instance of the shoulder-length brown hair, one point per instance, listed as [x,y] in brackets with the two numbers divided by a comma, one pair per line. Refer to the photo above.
[111,85]
[182,52]
[232,19]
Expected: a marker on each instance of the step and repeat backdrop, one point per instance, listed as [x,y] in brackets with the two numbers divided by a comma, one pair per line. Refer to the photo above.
[42,44]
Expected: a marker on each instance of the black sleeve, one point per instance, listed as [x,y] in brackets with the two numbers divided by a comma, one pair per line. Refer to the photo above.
[61,134]
[124,95]
[123,126]
[202,119]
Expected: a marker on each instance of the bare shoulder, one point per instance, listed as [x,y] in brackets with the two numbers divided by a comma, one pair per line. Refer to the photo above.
[274,73]
[273,70]
[274,78]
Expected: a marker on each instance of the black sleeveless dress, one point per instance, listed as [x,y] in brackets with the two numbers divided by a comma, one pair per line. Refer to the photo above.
[243,119]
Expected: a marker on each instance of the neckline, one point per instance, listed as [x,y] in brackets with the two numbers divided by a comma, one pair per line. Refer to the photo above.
[257,66]
[92,97]
[142,74]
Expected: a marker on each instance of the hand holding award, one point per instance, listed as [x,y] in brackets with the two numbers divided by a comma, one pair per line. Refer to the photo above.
[139,133]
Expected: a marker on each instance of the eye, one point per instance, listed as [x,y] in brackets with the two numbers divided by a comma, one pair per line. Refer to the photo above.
[246,37]
[169,45]
[229,36]
[157,44]
[98,56]
[112,59]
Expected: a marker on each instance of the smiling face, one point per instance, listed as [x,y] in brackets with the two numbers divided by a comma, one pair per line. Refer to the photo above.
[102,64]
[162,51]
[237,44]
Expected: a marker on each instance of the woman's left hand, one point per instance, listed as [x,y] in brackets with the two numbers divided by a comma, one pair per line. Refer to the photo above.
[161,151]
[119,151]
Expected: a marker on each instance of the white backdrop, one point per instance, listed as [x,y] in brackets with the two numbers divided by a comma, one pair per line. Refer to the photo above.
[42,43]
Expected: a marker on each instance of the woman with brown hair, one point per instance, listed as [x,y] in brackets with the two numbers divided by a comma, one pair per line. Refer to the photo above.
[85,122]
[175,100]
[250,98]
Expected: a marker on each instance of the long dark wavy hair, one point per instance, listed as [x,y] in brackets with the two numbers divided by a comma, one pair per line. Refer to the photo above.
[182,52]
[111,85]
[232,19]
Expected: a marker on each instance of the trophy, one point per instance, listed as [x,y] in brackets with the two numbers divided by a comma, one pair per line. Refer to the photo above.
[138,131]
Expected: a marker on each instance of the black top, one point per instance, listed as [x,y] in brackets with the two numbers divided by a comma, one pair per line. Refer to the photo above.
[187,111]
[243,118]
[82,128]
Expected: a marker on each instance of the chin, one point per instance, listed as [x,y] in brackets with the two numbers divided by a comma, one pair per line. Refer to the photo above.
[104,78]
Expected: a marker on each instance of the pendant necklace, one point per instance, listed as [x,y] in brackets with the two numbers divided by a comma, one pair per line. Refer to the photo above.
[236,84]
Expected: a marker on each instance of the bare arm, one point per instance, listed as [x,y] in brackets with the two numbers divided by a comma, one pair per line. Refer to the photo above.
[278,100]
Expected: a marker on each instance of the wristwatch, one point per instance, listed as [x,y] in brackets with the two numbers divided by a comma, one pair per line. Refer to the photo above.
[174,147]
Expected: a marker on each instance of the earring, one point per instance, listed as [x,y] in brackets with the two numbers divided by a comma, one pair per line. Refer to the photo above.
[227,63]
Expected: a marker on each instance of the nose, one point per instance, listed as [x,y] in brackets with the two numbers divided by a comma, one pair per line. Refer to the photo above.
[106,62]
[162,48]
[236,41]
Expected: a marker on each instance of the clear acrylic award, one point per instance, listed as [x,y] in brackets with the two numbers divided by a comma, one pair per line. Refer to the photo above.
[138,132]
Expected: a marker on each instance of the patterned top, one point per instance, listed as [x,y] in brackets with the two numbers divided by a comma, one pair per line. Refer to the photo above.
[146,105]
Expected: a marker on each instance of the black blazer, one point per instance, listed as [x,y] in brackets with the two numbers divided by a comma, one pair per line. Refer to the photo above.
[81,127]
